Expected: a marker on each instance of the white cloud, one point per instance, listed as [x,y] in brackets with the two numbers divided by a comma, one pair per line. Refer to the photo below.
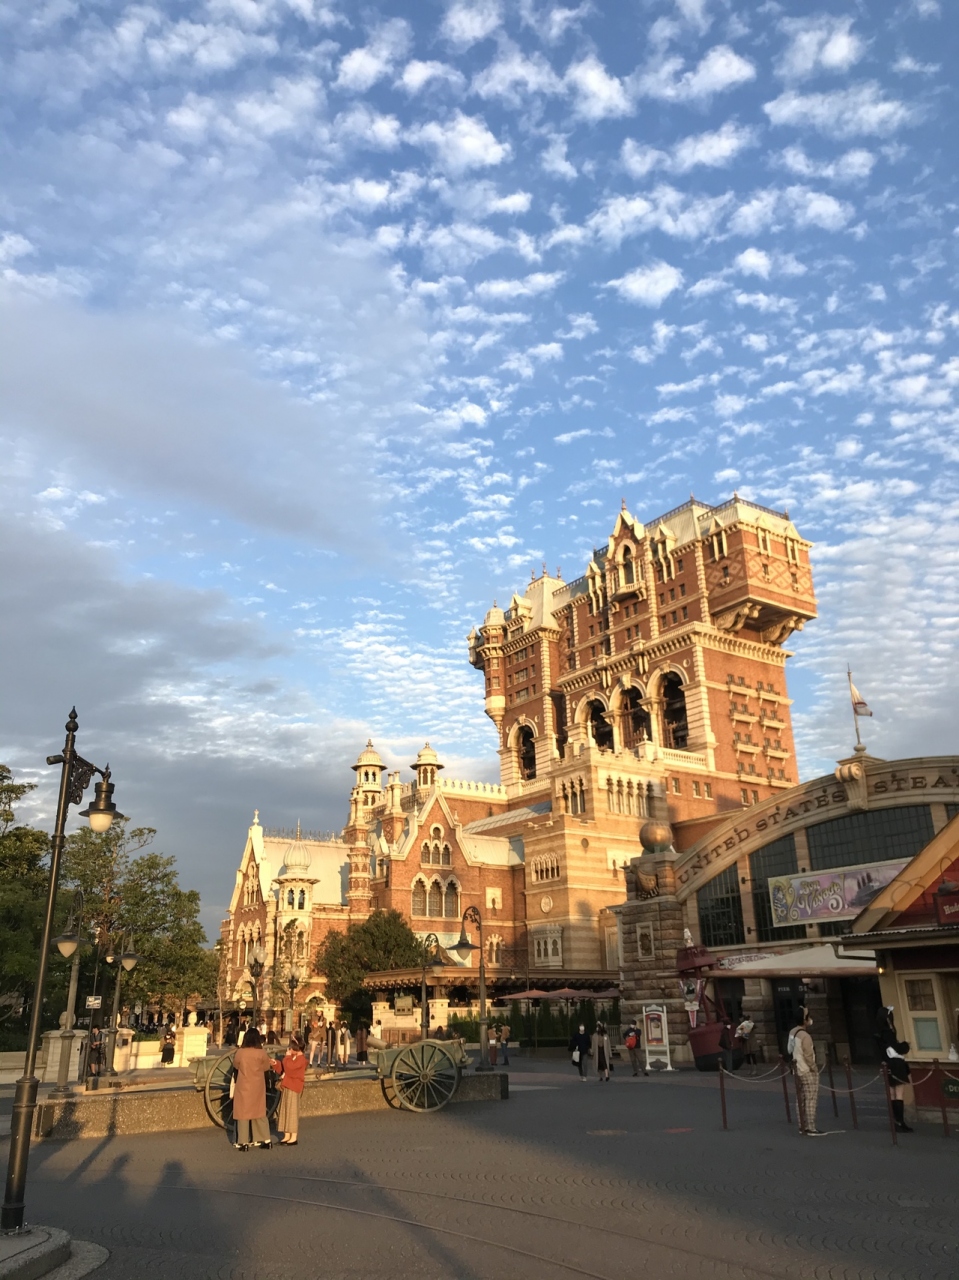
[554,159]
[466,22]
[512,75]
[662,334]
[598,95]
[694,12]
[13,246]
[754,262]
[369,127]
[820,43]
[842,113]
[850,447]
[711,150]
[798,205]
[664,209]
[361,68]
[649,286]
[416,75]
[581,326]
[852,166]
[462,143]
[537,283]
[721,69]
[524,362]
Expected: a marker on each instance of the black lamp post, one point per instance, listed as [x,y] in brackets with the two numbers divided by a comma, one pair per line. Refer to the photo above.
[431,958]
[293,981]
[69,944]
[127,962]
[75,776]
[463,949]
[255,967]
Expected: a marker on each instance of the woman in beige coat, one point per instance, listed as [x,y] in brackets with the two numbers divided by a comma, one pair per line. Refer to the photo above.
[251,1063]
[601,1051]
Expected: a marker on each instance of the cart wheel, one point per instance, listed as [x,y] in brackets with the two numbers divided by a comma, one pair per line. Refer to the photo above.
[389,1092]
[216,1092]
[424,1077]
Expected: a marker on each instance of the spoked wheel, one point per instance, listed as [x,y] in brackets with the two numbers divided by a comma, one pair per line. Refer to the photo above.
[216,1092]
[424,1077]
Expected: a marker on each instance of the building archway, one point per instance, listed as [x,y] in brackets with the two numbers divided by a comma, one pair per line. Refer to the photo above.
[526,752]
[675,723]
[636,722]
[600,730]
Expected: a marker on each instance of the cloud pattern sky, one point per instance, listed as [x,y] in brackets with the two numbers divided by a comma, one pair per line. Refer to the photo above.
[326,324]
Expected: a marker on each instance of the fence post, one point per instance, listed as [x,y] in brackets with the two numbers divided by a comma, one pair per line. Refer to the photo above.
[722,1093]
[892,1118]
[832,1086]
[782,1076]
[852,1096]
[942,1102]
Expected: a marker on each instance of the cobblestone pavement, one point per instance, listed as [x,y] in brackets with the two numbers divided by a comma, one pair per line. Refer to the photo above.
[566,1179]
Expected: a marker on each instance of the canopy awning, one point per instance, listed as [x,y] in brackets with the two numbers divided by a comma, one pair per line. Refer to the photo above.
[805,962]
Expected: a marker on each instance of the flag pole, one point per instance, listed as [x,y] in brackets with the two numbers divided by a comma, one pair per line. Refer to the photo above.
[852,703]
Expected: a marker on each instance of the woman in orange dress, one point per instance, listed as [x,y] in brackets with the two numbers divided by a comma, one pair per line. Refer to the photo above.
[292,1071]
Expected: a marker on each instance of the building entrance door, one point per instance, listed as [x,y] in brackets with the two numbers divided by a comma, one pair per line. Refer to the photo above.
[861,1001]
[787,1007]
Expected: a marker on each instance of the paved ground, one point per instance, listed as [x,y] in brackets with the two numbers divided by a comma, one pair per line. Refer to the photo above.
[633,1178]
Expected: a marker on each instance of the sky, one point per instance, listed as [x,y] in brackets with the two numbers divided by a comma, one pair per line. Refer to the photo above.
[327,324]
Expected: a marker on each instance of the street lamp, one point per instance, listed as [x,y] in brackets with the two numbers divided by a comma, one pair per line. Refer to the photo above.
[255,967]
[463,949]
[128,962]
[431,959]
[75,776]
[297,974]
[68,944]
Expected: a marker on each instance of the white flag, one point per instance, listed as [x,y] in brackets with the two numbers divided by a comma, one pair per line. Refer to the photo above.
[859,704]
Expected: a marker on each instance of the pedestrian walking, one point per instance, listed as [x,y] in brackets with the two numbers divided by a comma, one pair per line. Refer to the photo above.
[579,1050]
[251,1062]
[633,1040]
[345,1042]
[331,1044]
[504,1033]
[892,1049]
[362,1041]
[601,1052]
[803,1052]
[169,1047]
[315,1041]
[292,1072]
[743,1034]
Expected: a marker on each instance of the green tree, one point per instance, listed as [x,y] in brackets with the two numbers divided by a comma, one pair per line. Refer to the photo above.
[383,941]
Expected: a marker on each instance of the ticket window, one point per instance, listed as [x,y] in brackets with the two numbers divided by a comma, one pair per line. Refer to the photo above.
[925,1022]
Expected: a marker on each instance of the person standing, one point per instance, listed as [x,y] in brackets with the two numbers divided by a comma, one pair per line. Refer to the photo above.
[315,1042]
[579,1050]
[292,1071]
[601,1052]
[168,1051]
[331,1044]
[743,1033]
[633,1040]
[892,1049]
[251,1062]
[362,1041]
[345,1041]
[504,1033]
[803,1052]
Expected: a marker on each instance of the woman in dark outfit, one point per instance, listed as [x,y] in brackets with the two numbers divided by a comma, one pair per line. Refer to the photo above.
[579,1049]
[892,1050]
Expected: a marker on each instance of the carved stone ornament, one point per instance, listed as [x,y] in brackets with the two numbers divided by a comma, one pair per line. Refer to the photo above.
[546,904]
[736,619]
[853,778]
[782,630]
[646,886]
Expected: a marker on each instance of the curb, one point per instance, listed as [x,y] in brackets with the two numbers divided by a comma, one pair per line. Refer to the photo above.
[35,1254]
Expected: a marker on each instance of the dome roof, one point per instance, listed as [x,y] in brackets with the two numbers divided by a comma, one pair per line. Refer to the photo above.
[495,617]
[369,758]
[297,858]
[427,756]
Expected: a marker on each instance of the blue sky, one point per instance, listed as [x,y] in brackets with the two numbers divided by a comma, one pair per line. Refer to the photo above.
[325,324]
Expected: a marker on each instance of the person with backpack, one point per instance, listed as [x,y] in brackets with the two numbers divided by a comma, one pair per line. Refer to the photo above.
[802,1052]
[892,1050]
[633,1040]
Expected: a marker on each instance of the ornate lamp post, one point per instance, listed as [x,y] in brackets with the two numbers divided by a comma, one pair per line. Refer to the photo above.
[69,944]
[297,974]
[75,776]
[463,949]
[127,963]
[255,967]
[431,959]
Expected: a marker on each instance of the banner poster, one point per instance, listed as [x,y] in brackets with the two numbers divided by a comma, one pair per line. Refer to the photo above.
[829,895]
[656,1037]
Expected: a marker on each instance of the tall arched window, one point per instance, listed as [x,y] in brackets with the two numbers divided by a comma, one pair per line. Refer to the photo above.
[435,900]
[451,901]
[419,898]
[447,856]
[600,729]
[526,747]
[628,572]
[425,853]
[636,722]
[301,900]
[675,726]
[289,897]
[494,950]
[300,945]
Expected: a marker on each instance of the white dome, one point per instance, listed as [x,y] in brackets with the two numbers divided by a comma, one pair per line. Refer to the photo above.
[297,859]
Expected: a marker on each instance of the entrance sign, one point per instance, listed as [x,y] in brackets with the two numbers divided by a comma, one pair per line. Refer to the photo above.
[403,1006]
[94,1002]
[656,1037]
[829,895]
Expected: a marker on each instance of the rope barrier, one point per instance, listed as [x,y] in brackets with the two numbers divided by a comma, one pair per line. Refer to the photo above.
[749,1079]
[825,1087]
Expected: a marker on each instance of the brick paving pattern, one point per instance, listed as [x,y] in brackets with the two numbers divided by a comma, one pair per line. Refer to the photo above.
[565,1179]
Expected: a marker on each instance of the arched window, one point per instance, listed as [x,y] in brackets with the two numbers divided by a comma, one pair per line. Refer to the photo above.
[301,900]
[565,799]
[554,947]
[436,856]
[636,722]
[425,853]
[619,796]
[419,898]
[451,901]
[300,945]
[526,750]
[494,950]
[675,726]
[435,901]
[289,897]
[628,572]
[600,729]
[447,856]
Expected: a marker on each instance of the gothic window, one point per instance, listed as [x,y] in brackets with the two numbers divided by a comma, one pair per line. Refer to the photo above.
[301,902]
[628,572]
[636,722]
[419,898]
[554,947]
[582,797]
[425,853]
[573,799]
[435,901]
[494,950]
[289,897]
[609,795]
[447,859]
[526,744]
[300,945]
[675,726]
[451,901]
[600,729]
[565,799]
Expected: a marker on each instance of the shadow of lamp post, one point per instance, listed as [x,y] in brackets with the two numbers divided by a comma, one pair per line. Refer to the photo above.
[75,776]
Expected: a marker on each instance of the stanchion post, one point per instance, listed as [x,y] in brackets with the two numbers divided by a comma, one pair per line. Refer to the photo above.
[892,1118]
[800,1107]
[722,1093]
[852,1096]
[832,1087]
[942,1102]
[782,1076]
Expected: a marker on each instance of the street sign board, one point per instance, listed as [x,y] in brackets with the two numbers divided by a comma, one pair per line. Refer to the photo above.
[94,1002]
